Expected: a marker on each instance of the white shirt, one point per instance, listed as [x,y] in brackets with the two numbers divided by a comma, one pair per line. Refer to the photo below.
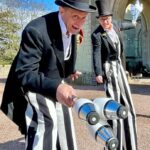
[115,39]
[66,38]
[113,36]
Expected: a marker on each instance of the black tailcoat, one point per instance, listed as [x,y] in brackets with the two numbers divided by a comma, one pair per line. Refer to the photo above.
[103,49]
[38,67]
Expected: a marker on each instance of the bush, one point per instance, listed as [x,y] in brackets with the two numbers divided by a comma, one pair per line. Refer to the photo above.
[7,57]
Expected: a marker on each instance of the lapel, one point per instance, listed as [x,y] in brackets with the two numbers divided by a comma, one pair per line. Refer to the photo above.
[73,45]
[55,35]
[106,38]
[119,36]
[110,42]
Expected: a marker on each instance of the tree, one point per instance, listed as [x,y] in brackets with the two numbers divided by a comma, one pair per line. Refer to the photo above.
[8,36]
[14,15]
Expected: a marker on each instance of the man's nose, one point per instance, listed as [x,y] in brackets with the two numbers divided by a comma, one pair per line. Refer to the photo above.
[106,20]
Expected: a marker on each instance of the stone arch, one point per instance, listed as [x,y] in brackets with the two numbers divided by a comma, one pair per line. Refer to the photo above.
[84,59]
[141,46]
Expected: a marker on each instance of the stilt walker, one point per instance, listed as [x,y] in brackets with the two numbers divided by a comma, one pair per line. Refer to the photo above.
[108,61]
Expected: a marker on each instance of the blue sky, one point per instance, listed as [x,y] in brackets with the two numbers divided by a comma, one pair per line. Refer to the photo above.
[49,4]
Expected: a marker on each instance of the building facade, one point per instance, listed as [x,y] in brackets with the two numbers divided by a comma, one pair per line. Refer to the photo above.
[136,41]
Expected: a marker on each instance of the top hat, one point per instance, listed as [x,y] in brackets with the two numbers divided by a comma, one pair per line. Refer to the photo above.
[104,8]
[82,5]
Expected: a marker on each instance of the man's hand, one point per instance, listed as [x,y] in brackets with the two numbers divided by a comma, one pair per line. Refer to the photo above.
[65,94]
[75,75]
[99,79]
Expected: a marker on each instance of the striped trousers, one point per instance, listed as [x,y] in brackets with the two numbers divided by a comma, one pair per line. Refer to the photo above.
[117,87]
[49,125]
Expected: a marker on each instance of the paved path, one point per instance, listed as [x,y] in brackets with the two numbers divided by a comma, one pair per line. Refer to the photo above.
[10,138]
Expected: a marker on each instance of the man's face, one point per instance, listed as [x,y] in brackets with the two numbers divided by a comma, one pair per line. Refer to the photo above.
[105,22]
[73,19]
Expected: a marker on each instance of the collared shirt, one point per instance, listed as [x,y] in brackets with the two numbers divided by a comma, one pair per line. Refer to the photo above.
[66,37]
[114,38]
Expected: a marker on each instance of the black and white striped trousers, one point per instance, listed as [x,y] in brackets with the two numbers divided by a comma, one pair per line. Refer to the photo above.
[49,125]
[117,87]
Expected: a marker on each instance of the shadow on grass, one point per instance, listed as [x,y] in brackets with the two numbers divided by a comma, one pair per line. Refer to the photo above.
[140,89]
[135,88]
[18,144]
[2,80]
[143,116]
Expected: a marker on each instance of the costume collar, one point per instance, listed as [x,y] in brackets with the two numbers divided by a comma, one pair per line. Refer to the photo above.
[63,26]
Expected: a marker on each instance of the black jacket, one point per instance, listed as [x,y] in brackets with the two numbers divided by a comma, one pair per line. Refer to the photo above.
[103,49]
[38,67]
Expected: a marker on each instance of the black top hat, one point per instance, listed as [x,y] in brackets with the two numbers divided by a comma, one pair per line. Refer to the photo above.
[82,5]
[103,7]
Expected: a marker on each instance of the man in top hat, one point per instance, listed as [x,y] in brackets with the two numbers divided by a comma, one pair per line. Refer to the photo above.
[108,60]
[36,97]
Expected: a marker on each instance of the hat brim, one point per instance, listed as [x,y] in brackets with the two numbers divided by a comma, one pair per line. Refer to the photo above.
[81,6]
[103,15]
